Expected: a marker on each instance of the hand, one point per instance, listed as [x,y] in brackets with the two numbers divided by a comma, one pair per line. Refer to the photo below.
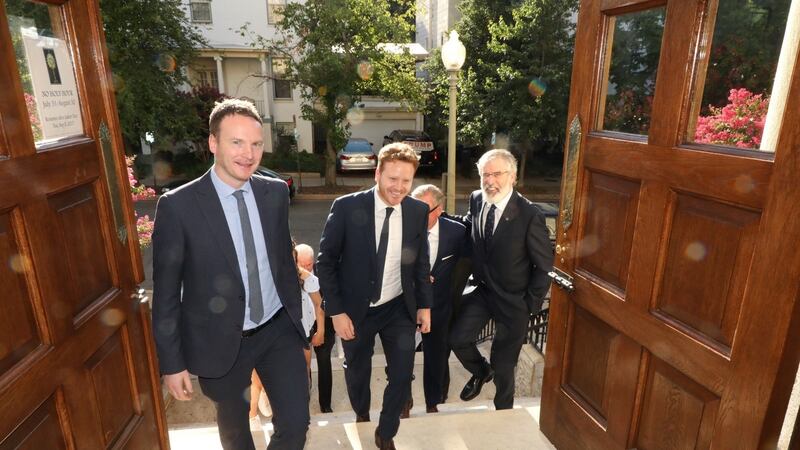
[424,320]
[343,326]
[431,279]
[318,339]
[179,385]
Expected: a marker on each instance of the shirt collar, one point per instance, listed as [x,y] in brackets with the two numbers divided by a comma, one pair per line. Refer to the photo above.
[381,205]
[501,205]
[223,189]
[434,231]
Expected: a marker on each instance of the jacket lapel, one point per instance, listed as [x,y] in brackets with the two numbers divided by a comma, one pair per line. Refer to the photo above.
[509,213]
[211,207]
[268,223]
[368,203]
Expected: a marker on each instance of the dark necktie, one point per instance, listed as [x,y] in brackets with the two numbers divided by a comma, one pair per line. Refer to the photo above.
[488,228]
[253,283]
[381,257]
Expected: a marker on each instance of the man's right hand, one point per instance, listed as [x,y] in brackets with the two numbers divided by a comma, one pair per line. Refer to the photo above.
[343,326]
[179,385]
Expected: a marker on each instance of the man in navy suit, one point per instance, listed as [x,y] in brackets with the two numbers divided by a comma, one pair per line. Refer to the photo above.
[375,275]
[511,256]
[446,241]
[226,297]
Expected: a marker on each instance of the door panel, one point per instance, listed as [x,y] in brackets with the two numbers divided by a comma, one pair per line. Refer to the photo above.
[77,368]
[683,328]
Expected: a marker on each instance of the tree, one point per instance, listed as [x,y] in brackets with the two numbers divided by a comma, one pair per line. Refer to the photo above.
[148,42]
[516,75]
[335,53]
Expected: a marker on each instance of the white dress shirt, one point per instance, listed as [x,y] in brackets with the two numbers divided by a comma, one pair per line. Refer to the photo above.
[391,286]
[498,212]
[433,242]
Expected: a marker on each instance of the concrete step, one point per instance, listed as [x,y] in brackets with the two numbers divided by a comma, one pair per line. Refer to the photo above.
[200,410]
[458,426]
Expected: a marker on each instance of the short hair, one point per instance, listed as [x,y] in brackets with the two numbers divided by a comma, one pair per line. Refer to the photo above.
[498,153]
[398,151]
[229,107]
[435,192]
[304,249]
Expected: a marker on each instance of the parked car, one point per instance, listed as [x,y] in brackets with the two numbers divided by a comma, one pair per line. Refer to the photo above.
[263,171]
[357,154]
[429,155]
[269,173]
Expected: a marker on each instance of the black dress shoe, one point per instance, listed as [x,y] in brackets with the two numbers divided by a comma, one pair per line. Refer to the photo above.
[326,409]
[383,444]
[474,385]
[362,418]
[432,409]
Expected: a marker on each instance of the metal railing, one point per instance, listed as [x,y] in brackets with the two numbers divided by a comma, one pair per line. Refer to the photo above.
[536,335]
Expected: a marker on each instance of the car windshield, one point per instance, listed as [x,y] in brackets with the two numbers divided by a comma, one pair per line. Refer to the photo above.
[358,147]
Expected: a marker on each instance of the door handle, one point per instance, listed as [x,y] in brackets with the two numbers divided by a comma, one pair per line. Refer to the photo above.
[562,280]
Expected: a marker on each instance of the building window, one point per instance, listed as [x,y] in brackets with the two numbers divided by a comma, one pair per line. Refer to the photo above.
[284,131]
[208,78]
[275,11]
[201,11]
[283,88]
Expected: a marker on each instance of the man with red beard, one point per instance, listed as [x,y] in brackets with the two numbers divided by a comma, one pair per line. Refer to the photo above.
[374,272]
[511,256]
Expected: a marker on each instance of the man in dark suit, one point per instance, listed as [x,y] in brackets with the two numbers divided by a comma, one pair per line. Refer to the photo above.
[374,272]
[226,296]
[511,256]
[446,241]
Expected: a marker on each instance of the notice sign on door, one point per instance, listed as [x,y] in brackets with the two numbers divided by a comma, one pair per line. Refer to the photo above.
[54,88]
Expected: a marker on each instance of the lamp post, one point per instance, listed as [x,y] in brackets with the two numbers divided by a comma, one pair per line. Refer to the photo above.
[453,55]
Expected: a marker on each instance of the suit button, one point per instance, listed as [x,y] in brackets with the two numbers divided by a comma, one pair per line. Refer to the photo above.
[241,298]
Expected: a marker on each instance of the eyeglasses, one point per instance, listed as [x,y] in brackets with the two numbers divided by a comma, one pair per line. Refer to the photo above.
[494,175]
[431,210]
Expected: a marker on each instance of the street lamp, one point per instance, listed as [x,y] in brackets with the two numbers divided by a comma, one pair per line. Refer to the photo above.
[453,55]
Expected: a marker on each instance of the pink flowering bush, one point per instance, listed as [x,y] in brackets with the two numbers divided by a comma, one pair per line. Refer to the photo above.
[138,191]
[144,226]
[33,116]
[740,123]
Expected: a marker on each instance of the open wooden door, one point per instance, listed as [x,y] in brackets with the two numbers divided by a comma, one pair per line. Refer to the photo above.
[683,327]
[76,364]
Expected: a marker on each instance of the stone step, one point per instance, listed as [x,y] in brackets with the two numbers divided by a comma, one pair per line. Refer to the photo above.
[200,410]
[458,426]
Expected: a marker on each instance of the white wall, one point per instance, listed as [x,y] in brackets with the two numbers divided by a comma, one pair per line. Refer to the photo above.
[374,129]
[228,16]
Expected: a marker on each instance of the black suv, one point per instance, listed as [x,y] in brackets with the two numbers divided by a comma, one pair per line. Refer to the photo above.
[429,155]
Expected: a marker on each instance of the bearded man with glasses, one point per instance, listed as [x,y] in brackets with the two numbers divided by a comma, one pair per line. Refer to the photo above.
[511,256]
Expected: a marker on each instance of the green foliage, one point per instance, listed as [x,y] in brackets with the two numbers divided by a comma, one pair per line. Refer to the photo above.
[509,45]
[288,162]
[335,55]
[148,41]
[744,53]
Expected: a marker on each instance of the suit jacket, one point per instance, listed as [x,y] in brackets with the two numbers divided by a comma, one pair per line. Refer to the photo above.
[516,264]
[346,264]
[198,291]
[452,244]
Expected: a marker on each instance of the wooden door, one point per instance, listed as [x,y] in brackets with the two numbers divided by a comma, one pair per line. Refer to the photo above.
[76,364]
[683,328]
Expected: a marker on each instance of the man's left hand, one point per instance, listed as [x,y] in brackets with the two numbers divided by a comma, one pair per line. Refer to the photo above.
[424,320]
